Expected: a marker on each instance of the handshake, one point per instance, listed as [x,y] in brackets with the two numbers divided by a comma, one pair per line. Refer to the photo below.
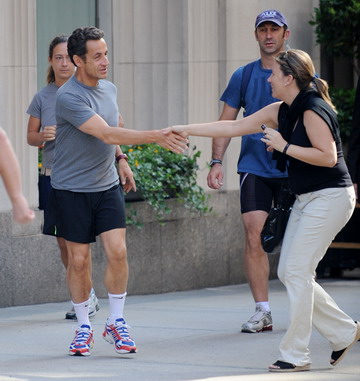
[174,139]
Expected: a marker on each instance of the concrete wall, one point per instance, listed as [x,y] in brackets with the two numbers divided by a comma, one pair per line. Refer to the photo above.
[173,59]
[187,252]
[17,86]
[170,59]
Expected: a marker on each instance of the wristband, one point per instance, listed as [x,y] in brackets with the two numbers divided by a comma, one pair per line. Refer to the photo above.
[286,148]
[215,161]
[122,156]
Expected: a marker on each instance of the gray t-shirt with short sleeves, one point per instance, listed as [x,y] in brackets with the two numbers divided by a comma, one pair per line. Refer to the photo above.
[43,107]
[82,162]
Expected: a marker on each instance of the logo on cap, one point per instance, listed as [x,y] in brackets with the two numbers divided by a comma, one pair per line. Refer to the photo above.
[271,16]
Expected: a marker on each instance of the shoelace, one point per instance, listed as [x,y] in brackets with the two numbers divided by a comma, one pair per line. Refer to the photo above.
[82,335]
[121,330]
[258,313]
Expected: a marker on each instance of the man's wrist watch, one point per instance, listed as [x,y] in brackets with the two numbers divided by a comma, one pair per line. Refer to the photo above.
[215,161]
[122,156]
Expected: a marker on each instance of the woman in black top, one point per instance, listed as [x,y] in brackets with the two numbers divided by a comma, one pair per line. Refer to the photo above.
[308,143]
[353,154]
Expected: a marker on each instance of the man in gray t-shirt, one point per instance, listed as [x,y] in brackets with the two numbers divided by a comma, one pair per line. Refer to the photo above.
[91,169]
[87,199]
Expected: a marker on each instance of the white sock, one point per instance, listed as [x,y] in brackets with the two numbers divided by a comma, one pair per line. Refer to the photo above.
[265,306]
[82,312]
[116,304]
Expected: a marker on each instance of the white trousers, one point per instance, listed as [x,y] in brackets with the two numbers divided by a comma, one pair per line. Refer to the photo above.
[315,220]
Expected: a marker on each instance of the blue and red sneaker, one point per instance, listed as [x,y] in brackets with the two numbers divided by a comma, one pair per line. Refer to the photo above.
[118,335]
[83,341]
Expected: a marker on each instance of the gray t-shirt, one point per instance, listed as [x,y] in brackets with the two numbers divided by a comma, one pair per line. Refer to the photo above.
[43,107]
[82,162]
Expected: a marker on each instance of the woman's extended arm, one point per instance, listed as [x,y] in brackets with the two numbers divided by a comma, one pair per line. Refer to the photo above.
[230,128]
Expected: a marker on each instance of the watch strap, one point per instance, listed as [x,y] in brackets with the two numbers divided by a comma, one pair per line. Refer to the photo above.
[215,161]
[122,156]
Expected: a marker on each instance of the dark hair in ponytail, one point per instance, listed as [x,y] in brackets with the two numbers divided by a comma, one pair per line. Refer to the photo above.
[56,41]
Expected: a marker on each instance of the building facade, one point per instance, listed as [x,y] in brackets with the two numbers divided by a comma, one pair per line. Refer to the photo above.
[170,59]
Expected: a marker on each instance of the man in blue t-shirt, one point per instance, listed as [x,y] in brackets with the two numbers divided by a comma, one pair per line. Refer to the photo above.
[260,180]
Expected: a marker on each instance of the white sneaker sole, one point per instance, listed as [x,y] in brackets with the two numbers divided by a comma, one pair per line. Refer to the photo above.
[110,340]
[249,330]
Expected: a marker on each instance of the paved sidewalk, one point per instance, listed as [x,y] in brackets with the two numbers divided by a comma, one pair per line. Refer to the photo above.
[190,335]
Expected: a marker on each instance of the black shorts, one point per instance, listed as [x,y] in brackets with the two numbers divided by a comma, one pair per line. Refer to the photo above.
[44,186]
[258,193]
[80,217]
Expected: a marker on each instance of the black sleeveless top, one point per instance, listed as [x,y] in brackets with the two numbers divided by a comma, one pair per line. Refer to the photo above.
[304,177]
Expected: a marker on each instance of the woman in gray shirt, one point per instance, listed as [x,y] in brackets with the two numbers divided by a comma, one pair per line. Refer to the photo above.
[41,132]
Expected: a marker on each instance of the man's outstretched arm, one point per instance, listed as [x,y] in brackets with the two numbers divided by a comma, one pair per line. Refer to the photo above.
[96,126]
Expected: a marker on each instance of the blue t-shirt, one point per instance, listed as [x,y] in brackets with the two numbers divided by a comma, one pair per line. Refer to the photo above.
[254,158]
[82,162]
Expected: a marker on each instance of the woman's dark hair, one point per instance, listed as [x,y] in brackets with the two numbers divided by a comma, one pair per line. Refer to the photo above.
[56,41]
[77,41]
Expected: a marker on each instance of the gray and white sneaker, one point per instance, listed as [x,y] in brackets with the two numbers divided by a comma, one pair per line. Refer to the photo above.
[94,304]
[259,322]
[71,315]
[93,308]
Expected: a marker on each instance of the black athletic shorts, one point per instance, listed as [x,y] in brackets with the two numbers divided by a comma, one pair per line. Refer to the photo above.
[80,217]
[258,193]
[44,186]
